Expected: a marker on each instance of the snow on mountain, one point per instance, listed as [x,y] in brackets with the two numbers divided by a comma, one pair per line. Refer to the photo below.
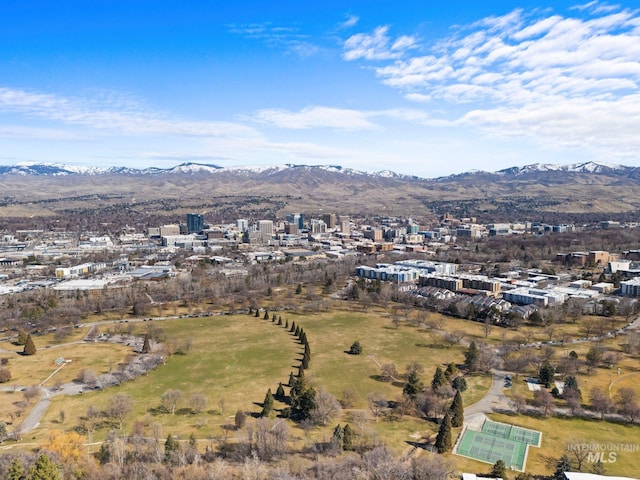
[587,167]
[54,169]
[193,168]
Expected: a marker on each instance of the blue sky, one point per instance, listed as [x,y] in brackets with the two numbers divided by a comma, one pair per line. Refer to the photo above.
[424,88]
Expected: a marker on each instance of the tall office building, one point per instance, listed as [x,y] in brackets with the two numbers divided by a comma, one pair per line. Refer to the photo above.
[242,224]
[195,223]
[345,224]
[265,226]
[318,226]
[329,219]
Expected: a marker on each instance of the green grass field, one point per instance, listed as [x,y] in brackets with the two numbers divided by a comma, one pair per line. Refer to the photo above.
[234,359]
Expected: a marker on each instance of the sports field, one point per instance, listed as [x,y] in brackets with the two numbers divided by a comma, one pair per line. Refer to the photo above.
[498,441]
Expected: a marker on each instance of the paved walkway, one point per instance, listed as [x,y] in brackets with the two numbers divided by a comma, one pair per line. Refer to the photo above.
[495,398]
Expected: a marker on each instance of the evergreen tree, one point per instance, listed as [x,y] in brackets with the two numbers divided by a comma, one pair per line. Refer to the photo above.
[297,387]
[471,357]
[571,387]
[170,445]
[547,374]
[280,391]
[266,315]
[29,346]
[146,347]
[273,317]
[451,371]
[356,348]
[457,411]
[103,455]
[286,325]
[443,440]
[44,469]
[16,471]
[299,289]
[306,403]
[297,331]
[499,470]
[413,386]
[438,379]
[279,319]
[338,436]
[460,384]
[307,349]
[267,405]
[293,327]
[347,438]
[22,337]
[305,360]
[250,311]
[257,313]
[563,465]
[303,338]
[292,379]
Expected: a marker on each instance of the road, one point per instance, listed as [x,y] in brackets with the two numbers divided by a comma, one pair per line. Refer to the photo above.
[495,398]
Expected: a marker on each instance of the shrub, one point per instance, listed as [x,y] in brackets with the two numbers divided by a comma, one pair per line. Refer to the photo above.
[5,375]
[356,348]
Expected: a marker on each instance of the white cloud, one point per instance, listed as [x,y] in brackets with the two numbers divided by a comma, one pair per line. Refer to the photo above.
[351,21]
[565,80]
[288,38]
[315,117]
[110,112]
[376,46]
[340,118]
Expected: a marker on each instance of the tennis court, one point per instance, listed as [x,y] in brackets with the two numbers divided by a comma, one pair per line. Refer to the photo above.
[498,441]
[512,432]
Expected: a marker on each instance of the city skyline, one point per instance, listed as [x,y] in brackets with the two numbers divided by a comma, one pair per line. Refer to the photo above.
[417,89]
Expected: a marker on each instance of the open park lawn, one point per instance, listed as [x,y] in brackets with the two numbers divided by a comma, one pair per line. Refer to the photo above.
[234,359]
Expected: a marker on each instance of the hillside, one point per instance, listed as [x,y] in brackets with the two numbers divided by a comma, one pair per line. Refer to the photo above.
[531,191]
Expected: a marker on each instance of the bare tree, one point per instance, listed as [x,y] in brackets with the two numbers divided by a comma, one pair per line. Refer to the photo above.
[92,420]
[627,403]
[118,407]
[487,325]
[240,419]
[268,438]
[520,402]
[326,407]
[31,392]
[600,402]
[455,337]
[348,398]
[544,400]
[88,377]
[198,402]
[388,372]
[430,466]
[377,404]
[579,455]
[170,399]
[379,463]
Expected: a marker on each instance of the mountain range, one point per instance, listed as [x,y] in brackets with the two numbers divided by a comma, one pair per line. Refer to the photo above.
[538,191]
[54,169]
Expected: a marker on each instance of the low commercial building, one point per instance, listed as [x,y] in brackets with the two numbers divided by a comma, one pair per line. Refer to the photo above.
[533,296]
[387,272]
[630,288]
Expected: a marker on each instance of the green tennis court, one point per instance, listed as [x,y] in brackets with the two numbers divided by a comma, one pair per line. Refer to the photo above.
[512,432]
[498,441]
